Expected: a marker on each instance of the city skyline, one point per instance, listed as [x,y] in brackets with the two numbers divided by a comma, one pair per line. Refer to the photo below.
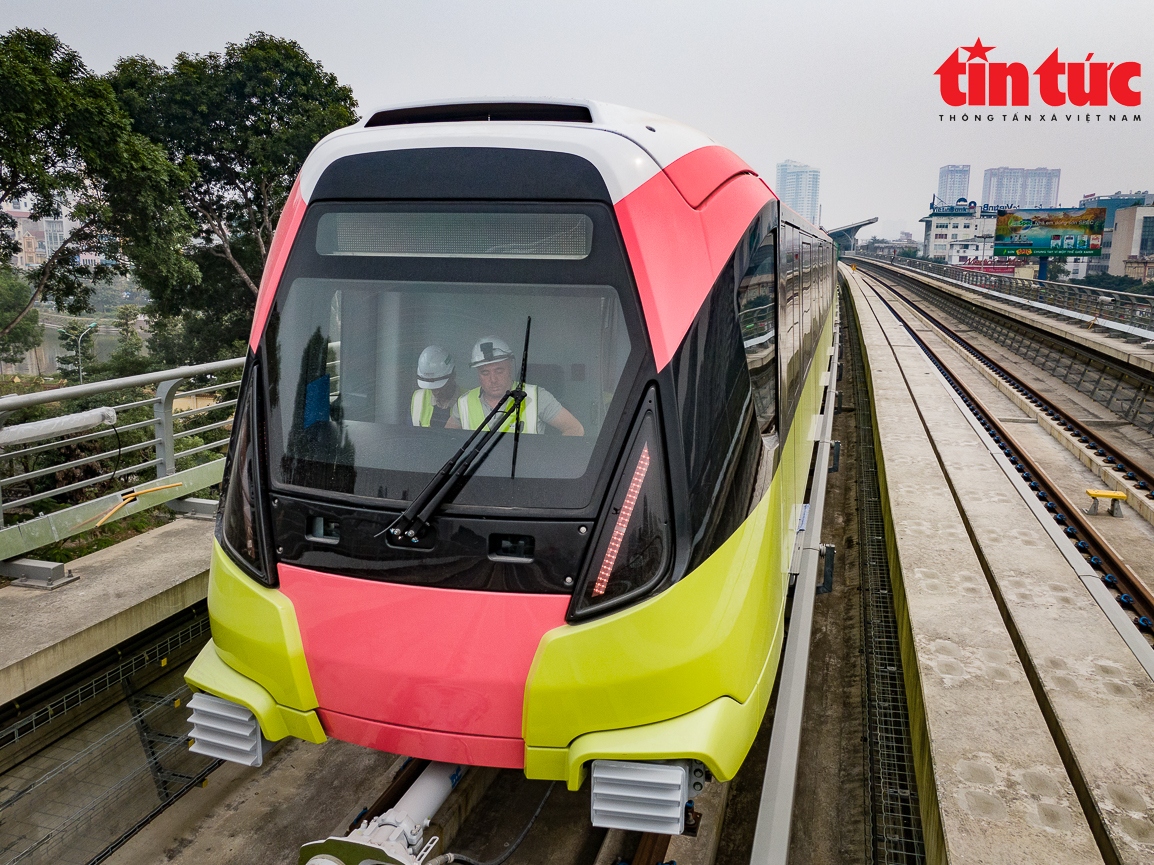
[878,153]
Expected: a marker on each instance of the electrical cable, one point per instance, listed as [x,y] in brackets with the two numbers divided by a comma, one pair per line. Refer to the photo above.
[116,468]
[446,858]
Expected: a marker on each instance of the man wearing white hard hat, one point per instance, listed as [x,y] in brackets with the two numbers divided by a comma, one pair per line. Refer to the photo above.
[493,360]
[436,391]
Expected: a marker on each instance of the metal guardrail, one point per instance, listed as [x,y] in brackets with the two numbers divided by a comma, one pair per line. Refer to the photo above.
[1129,312]
[156,441]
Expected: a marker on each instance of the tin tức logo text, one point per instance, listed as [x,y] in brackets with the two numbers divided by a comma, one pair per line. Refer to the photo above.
[979,81]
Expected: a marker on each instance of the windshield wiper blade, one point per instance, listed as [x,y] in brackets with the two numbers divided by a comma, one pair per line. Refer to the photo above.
[415,518]
[521,387]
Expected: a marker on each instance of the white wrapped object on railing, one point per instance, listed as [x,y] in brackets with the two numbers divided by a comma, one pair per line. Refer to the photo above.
[54,427]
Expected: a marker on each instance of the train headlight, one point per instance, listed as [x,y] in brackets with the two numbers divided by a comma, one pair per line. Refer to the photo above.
[633,546]
[241,528]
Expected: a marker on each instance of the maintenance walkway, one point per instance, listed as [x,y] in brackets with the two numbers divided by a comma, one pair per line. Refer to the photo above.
[120,592]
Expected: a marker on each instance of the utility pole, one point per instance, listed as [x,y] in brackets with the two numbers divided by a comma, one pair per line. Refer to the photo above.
[79,359]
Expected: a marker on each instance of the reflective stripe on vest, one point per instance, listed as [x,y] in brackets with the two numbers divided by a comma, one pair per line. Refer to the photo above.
[472,412]
[421,407]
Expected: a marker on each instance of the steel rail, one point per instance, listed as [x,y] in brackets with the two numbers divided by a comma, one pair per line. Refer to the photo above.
[1115,573]
[1128,467]
[165,425]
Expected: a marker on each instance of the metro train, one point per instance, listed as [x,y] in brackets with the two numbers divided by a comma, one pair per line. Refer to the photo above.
[521,448]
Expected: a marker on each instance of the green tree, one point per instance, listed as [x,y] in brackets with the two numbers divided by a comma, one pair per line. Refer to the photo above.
[244,120]
[1114,283]
[1057,270]
[27,333]
[68,147]
[128,358]
[72,334]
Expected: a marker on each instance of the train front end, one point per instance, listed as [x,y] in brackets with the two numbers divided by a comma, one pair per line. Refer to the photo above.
[605,578]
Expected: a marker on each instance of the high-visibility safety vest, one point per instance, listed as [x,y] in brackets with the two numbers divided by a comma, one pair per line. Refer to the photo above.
[421,407]
[472,412]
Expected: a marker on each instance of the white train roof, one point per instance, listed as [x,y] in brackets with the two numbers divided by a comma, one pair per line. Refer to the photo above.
[626,145]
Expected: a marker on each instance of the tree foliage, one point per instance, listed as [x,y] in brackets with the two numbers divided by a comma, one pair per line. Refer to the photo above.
[1057,271]
[68,146]
[128,358]
[243,120]
[1113,282]
[28,332]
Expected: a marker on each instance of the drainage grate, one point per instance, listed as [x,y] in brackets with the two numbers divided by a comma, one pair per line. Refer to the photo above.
[896,821]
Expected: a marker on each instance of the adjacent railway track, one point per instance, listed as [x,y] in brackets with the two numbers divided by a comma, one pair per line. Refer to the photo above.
[1125,390]
[1128,589]
[1130,470]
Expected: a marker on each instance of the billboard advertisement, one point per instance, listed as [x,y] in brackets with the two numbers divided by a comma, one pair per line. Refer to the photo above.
[1052,232]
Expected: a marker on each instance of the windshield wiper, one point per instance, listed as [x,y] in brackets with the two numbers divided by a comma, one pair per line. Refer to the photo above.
[521,390]
[464,463]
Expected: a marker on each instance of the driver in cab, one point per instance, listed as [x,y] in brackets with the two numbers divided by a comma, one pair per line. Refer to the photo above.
[493,360]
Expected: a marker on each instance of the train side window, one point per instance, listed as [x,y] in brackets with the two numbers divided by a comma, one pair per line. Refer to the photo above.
[808,286]
[756,301]
[830,276]
[831,288]
[718,428]
[823,295]
[788,280]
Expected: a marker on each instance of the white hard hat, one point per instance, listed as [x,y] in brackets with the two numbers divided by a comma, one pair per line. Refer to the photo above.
[490,349]
[434,367]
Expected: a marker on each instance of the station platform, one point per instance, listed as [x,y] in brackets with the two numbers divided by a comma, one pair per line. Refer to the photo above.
[1114,344]
[1030,711]
[121,591]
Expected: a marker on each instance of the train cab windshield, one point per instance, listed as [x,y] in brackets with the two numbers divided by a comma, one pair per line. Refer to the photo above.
[399,327]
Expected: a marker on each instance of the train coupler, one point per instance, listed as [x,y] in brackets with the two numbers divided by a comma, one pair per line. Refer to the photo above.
[397,836]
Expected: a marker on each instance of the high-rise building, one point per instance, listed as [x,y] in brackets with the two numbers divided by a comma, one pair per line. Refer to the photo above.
[953,183]
[1041,188]
[1133,241]
[1112,203]
[1020,187]
[798,186]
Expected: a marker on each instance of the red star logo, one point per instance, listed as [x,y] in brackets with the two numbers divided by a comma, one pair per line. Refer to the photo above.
[978,50]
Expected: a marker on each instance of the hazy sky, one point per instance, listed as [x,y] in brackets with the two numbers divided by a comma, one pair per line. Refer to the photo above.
[846,87]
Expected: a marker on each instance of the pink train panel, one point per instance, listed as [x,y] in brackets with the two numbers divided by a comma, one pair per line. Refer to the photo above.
[427,744]
[366,644]
[677,251]
[282,242]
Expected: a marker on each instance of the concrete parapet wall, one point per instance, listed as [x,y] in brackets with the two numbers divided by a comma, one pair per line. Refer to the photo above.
[121,591]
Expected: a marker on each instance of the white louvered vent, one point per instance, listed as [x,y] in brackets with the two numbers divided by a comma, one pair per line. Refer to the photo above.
[225,730]
[643,797]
